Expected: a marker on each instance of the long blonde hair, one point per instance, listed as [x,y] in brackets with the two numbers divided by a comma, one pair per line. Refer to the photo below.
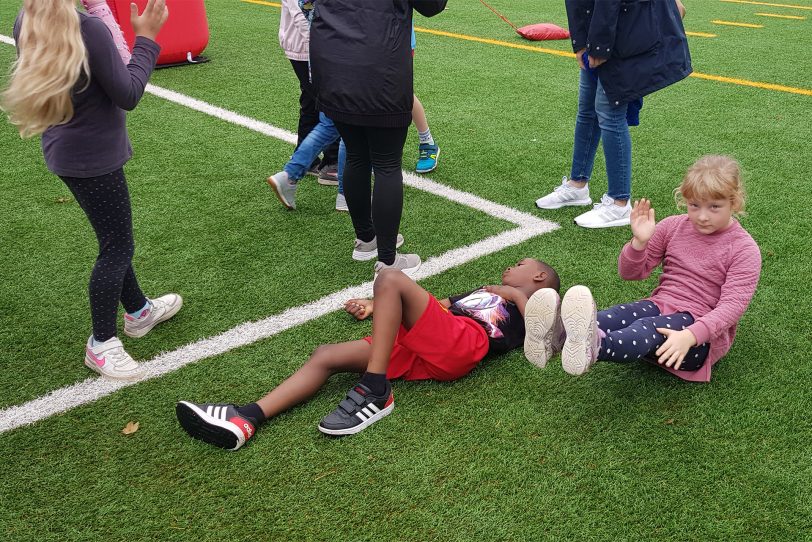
[52,58]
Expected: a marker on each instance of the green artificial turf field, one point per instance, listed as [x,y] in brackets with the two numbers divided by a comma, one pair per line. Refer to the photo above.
[626,452]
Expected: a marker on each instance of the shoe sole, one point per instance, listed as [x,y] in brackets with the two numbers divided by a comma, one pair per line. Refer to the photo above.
[343,210]
[540,316]
[612,224]
[362,256]
[167,315]
[574,203]
[577,313]
[201,426]
[90,364]
[327,182]
[280,197]
[361,426]
[436,162]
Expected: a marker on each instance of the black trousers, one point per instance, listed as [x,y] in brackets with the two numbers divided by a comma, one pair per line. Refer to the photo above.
[106,202]
[380,149]
[308,112]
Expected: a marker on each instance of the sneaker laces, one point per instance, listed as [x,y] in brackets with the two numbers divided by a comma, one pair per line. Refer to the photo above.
[118,356]
[564,186]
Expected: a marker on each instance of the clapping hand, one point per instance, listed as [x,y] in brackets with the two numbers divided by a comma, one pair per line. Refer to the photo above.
[642,223]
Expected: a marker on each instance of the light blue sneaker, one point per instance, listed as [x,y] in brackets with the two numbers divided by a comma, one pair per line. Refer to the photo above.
[427,159]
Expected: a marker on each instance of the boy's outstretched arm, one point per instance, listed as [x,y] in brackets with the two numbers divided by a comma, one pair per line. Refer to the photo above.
[509,293]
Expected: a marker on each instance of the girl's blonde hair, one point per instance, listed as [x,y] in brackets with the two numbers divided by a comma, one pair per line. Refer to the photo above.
[52,58]
[713,177]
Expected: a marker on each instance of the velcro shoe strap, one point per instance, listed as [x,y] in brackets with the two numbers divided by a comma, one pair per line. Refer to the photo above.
[356,397]
[109,345]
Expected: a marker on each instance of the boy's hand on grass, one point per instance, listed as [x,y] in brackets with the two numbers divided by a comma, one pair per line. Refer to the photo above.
[360,308]
[676,346]
[642,223]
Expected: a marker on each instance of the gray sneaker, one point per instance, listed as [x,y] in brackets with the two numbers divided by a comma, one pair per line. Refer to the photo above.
[408,263]
[328,175]
[579,317]
[369,250]
[544,331]
[162,309]
[284,188]
[341,203]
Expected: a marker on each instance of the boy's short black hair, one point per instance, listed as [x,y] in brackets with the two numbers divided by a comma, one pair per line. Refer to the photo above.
[552,275]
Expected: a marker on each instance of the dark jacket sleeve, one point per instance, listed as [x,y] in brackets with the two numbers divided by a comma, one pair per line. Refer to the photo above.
[123,84]
[429,8]
[577,20]
[602,30]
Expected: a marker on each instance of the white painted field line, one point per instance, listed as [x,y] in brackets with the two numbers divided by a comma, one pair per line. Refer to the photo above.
[91,389]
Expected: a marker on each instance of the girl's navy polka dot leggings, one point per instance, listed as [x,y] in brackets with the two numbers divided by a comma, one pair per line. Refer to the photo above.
[631,333]
[106,202]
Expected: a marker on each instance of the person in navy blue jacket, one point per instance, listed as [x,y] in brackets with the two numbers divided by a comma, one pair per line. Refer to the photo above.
[636,47]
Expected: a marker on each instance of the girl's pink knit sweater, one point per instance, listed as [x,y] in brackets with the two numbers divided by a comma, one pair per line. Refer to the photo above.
[713,277]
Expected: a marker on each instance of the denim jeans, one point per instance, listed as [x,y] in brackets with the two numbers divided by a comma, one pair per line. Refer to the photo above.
[320,137]
[342,160]
[599,120]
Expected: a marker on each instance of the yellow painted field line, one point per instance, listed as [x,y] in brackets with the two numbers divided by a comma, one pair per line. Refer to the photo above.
[261,3]
[556,52]
[765,4]
[496,42]
[795,17]
[700,34]
[731,23]
[755,84]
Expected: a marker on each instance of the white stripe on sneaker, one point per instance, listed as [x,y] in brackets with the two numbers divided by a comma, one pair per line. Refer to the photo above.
[361,416]
[368,413]
[373,408]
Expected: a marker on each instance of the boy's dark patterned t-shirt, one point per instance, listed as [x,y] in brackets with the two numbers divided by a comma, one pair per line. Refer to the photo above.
[501,319]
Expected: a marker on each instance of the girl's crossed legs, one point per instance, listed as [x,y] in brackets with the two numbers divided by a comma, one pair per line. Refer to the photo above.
[630,333]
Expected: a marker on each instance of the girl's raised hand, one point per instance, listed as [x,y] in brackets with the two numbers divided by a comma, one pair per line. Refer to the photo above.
[149,23]
[642,223]
[359,308]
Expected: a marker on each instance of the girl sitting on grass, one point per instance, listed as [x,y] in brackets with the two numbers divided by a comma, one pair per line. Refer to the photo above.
[711,267]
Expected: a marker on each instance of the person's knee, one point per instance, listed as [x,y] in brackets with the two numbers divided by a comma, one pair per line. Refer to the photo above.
[389,279]
[322,358]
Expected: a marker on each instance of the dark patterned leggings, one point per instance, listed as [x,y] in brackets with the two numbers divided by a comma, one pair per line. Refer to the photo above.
[631,333]
[106,202]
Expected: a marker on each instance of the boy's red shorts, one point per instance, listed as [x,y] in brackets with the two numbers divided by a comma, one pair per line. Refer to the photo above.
[440,346]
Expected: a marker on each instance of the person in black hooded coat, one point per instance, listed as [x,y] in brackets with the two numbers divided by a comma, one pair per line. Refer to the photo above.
[361,64]
[636,47]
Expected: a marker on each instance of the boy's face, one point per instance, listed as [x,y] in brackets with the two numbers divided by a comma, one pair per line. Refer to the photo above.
[524,273]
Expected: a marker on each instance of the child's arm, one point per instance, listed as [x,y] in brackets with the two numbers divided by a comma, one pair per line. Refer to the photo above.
[124,85]
[100,9]
[509,293]
[602,31]
[295,10]
[737,291]
[646,250]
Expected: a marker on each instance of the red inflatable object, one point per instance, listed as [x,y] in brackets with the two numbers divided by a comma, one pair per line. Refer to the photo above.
[184,35]
[543,31]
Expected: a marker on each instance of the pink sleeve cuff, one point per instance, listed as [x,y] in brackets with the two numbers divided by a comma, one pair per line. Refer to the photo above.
[700,331]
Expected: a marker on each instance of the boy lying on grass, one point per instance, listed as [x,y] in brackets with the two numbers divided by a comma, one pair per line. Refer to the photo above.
[414,337]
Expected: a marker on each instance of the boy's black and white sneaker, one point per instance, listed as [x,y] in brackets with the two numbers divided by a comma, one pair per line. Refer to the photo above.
[358,411]
[217,424]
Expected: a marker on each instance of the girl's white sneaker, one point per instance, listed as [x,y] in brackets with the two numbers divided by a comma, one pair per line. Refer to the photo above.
[110,360]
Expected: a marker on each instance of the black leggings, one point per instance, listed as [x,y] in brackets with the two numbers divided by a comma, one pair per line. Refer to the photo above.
[106,202]
[380,149]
